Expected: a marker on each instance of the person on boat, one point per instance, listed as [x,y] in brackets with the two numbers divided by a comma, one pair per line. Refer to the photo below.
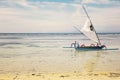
[97,44]
[76,45]
[92,45]
[83,45]
[104,46]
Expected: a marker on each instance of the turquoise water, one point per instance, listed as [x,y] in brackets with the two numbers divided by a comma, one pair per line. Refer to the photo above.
[44,52]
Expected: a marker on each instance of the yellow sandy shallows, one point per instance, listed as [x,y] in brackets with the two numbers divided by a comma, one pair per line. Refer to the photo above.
[62,76]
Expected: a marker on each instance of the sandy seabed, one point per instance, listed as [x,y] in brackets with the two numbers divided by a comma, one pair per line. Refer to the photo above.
[61,76]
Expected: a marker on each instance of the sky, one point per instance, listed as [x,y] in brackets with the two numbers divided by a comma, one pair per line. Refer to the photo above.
[58,16]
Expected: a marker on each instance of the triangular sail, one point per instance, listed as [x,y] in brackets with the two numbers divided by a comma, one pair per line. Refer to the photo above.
[89,31]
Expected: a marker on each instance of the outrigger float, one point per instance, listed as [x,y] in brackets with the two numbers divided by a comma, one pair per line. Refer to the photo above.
[89,31]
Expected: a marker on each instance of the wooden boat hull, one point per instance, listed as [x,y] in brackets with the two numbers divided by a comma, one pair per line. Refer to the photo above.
[90,48]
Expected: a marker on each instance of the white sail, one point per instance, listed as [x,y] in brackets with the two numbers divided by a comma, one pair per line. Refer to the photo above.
[89,31]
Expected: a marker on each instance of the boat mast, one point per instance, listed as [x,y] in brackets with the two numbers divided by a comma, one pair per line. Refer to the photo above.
[91,24]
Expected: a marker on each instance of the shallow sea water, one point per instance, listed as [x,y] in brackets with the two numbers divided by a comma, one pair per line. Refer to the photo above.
[36,52]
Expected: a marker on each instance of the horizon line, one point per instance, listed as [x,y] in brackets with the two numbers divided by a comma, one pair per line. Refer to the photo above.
[58,32]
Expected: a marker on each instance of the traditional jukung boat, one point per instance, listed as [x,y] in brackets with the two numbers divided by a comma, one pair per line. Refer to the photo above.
[89,31]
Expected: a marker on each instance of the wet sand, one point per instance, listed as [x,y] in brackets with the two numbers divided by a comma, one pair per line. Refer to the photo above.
[62,76]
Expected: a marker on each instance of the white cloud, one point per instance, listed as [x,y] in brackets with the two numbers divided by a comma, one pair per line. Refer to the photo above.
[99,2]
[106,19]
[96,1]
[54,17]
[32,20]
